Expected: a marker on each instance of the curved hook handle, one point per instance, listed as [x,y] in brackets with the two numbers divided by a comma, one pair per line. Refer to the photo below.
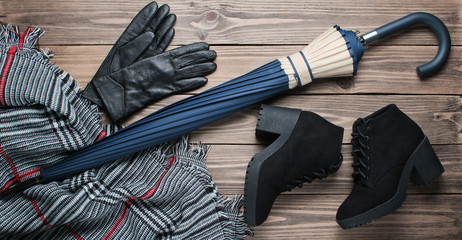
[428,19]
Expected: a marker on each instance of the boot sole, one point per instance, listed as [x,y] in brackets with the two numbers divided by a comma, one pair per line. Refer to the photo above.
[422,167]
[266,128]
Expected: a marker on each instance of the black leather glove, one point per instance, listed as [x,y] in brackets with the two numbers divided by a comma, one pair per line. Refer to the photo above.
[149,34]
[143,82]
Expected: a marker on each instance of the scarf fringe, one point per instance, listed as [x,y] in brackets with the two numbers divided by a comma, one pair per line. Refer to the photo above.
[232,218]
[229,209]
[9,35]
[27,44]
[27,41]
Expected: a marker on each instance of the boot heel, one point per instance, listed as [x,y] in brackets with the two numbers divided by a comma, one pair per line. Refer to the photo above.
[427,166]
[275,121]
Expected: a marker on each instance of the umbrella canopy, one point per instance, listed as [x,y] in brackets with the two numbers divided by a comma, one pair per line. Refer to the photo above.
[335,53]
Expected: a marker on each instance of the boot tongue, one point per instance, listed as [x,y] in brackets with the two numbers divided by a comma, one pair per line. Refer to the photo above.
[381,111]
[360,121]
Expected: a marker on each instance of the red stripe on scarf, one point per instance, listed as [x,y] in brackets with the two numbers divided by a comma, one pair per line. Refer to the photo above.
[101,136]
[72,231]
[121,218]
[10,162]
[131,199]
[40,214]
[37,209]
[23,37]
[6,70]
[152,191]
[21,177]
[30,173]
[34,204]
[7,185]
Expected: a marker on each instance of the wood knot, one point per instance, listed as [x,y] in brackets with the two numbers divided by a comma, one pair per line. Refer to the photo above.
[203,36]
[208,20]
[211,16]
[345,83]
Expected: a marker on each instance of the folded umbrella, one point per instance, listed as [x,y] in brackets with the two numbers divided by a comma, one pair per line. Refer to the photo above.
[335,53]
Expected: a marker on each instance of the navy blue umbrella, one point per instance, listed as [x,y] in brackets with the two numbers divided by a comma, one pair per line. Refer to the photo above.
[335,53]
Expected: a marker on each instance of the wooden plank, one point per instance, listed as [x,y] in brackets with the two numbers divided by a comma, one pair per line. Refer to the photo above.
[313,217]
[384,69]
[228,163]
[438,115]
[230,21]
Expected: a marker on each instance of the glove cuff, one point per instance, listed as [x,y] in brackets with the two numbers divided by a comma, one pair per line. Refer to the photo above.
[112,95]
[91,94]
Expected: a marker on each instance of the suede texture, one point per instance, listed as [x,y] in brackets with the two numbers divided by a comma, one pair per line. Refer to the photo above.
[391,138]
[314,144]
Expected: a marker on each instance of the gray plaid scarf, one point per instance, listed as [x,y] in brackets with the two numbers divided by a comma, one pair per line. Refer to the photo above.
[165,192]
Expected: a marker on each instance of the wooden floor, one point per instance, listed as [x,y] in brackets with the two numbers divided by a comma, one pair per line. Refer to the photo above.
[247,34]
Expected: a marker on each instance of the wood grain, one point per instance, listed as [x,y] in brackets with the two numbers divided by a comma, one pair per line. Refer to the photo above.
[383,69]
[229,21]
[313,217]
[228,164]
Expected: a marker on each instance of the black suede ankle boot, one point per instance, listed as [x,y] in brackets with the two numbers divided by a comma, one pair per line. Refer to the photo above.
[306,147]
[389,148]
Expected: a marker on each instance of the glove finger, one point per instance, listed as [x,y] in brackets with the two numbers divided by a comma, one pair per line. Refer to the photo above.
[190,48]
[196,70]
[189,84]
[158,18]
[139,24]
[134,29]
[165,42]
[164,36]
[164,28]
[194,58]
[128,53]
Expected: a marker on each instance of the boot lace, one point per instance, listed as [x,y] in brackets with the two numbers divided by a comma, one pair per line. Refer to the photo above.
[360,150]
[317,174]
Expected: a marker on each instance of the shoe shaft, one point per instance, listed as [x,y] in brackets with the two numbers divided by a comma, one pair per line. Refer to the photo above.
[391,138]
[314,143]
[305,146]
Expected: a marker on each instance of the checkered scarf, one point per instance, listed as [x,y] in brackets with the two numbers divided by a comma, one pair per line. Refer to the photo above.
[165,192]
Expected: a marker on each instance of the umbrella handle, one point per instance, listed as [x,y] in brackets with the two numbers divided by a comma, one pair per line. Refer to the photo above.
[428,19]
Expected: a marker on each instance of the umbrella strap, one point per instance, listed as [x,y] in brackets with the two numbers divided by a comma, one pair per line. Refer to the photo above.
[296,75]
[307,64]
[302,70]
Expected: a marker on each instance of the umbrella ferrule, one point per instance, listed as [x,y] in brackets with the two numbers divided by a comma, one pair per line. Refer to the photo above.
[369,37]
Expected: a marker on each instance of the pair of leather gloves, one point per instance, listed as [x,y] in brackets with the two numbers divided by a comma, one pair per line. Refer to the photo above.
[137,71]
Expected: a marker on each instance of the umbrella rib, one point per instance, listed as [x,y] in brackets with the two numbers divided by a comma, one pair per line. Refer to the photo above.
[167,136]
